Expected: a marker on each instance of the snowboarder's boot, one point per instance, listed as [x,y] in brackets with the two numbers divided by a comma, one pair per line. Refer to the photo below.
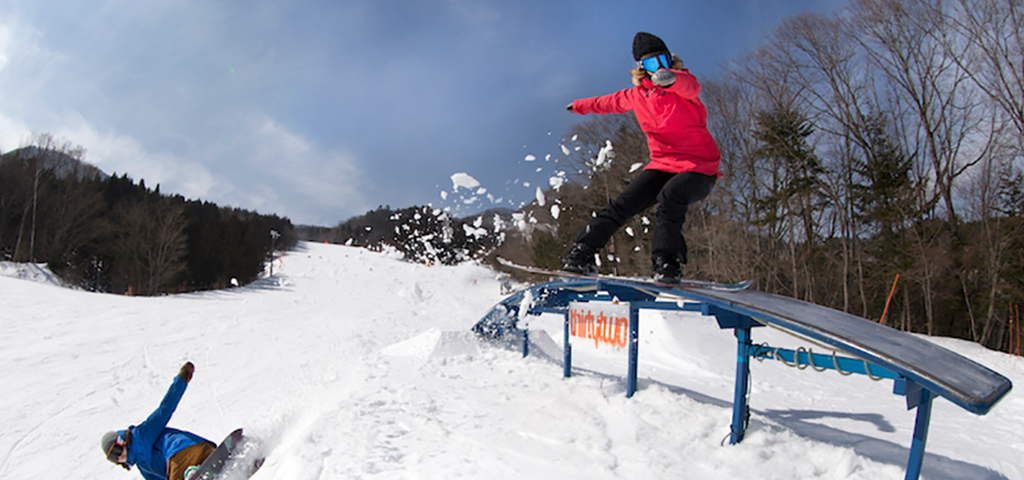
[666,267]
[580,259]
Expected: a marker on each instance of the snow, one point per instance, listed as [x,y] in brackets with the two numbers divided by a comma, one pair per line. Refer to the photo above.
[462,200]
[464,180]
[557,181]
[605,155]
[352,364]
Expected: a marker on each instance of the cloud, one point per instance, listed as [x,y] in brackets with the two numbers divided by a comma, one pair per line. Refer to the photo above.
[264,167]
[13,133]
[315,110]
[117,153]
[25,62]
[195,123]
[16,42]
[6,37]
[272,170]
[295,177]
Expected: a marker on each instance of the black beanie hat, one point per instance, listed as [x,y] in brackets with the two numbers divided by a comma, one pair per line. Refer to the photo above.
[646,44]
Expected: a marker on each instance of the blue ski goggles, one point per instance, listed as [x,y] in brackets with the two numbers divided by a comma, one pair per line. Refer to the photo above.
[653,62]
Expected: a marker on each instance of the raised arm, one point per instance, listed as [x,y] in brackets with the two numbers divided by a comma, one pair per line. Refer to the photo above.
[148,430]
[618,102]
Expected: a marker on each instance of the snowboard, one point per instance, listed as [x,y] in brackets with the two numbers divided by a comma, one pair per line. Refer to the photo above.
[725,287]
[237,457]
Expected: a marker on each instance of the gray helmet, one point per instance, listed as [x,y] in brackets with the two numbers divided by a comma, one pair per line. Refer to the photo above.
[112,446]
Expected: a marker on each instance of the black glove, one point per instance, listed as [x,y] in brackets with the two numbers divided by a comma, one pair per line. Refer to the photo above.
[569,108]
[186,371]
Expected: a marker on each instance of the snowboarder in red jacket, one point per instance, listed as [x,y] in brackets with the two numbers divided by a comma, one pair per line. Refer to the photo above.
[160,453]
[684,158]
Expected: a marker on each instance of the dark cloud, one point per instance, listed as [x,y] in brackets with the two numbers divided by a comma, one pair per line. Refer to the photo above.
[318,110]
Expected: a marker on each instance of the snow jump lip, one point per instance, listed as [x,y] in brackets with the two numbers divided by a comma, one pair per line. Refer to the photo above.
[960,380]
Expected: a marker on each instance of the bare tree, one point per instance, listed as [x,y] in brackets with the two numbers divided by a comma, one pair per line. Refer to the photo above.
[993,31]
[907,41]
[150,245]
[993,245]
[728,233]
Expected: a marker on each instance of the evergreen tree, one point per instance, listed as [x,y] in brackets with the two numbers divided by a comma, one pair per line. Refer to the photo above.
[795,171]
[885,195]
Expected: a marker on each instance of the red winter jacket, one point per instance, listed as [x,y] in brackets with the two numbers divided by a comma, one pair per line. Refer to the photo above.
[673,118]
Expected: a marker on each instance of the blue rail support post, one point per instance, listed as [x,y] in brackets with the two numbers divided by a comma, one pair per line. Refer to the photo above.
[526,342]
[634,349]
[742,325]
[567,348]
[920,398]
[924,415]
[739,401]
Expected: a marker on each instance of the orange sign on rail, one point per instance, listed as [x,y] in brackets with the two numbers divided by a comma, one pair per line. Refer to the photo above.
[605,324]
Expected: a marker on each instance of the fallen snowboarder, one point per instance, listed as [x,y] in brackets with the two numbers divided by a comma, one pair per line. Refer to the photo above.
[160,452]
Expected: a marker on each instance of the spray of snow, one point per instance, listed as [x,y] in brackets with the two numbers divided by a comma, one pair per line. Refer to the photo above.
[468,195]
[465,181]
[605,155]
[557,181]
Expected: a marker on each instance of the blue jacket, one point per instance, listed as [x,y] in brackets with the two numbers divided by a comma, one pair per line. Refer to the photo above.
[152,443]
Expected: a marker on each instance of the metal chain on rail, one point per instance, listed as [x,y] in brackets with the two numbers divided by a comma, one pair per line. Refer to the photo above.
[810,356]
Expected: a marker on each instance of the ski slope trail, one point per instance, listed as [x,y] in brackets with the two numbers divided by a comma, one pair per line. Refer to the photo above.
[352,364]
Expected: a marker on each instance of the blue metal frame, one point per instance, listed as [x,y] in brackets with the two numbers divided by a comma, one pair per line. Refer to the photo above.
[740,391]
[921,423]
[920,398]
[634,350]
[526,343]
[566,350]
[554,297]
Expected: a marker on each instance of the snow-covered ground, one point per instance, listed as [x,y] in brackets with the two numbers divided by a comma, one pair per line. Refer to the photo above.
[352,364]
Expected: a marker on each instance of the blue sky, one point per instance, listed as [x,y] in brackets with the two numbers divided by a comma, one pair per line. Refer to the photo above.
[322,110]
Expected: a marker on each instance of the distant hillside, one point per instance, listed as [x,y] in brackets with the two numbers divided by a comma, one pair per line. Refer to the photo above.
[112,234]
[63,164]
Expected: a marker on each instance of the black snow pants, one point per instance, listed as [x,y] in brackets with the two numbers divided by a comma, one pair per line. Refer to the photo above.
[674,192]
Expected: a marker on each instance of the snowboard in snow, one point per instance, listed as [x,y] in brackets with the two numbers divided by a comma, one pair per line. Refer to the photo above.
[236,458]
[727,287]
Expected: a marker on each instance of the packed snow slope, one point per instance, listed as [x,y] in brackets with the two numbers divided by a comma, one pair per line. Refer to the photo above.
[353,364]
